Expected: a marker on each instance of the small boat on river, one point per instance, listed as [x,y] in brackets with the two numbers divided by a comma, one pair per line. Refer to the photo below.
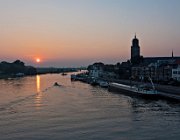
[56,84]
[64,74]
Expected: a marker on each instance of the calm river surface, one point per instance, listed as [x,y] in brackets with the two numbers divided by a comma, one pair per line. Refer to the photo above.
[31,108]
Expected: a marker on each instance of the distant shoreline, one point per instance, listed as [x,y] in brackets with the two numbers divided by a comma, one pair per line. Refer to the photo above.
[6,76]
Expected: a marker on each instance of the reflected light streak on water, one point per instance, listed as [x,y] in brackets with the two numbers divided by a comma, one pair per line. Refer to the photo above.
[38,98]
[38,83]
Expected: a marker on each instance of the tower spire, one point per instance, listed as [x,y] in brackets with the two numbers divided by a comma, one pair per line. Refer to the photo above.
[135,50]
[172,54]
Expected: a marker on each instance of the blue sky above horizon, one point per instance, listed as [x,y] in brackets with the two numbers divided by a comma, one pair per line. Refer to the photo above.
[80,32]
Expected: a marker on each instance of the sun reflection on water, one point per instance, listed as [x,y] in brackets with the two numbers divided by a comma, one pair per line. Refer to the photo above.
[38,83]
[38,102]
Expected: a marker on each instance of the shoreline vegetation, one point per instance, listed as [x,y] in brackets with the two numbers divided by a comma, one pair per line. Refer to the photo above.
[15,69]
[19,69]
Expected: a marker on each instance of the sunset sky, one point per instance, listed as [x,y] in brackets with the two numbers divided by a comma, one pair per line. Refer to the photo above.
[65,33]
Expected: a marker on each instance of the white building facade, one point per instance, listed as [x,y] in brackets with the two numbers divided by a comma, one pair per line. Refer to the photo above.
[96,71]
[176,73]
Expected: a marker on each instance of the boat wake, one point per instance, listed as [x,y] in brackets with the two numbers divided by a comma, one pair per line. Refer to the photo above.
[10,105]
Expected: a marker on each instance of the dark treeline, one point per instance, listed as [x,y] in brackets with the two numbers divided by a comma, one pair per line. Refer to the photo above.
[16,67]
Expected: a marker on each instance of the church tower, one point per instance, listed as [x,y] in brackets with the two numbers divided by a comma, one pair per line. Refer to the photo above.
[135,50]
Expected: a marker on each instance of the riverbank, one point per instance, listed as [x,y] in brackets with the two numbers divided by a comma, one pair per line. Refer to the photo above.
[167,92]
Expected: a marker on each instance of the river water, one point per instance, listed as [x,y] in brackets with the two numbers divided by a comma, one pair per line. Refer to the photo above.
[31,108]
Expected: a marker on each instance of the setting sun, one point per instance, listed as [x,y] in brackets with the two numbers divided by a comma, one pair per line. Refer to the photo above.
[38,60]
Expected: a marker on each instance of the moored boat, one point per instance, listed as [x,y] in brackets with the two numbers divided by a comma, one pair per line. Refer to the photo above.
[139,91]
[73,77]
